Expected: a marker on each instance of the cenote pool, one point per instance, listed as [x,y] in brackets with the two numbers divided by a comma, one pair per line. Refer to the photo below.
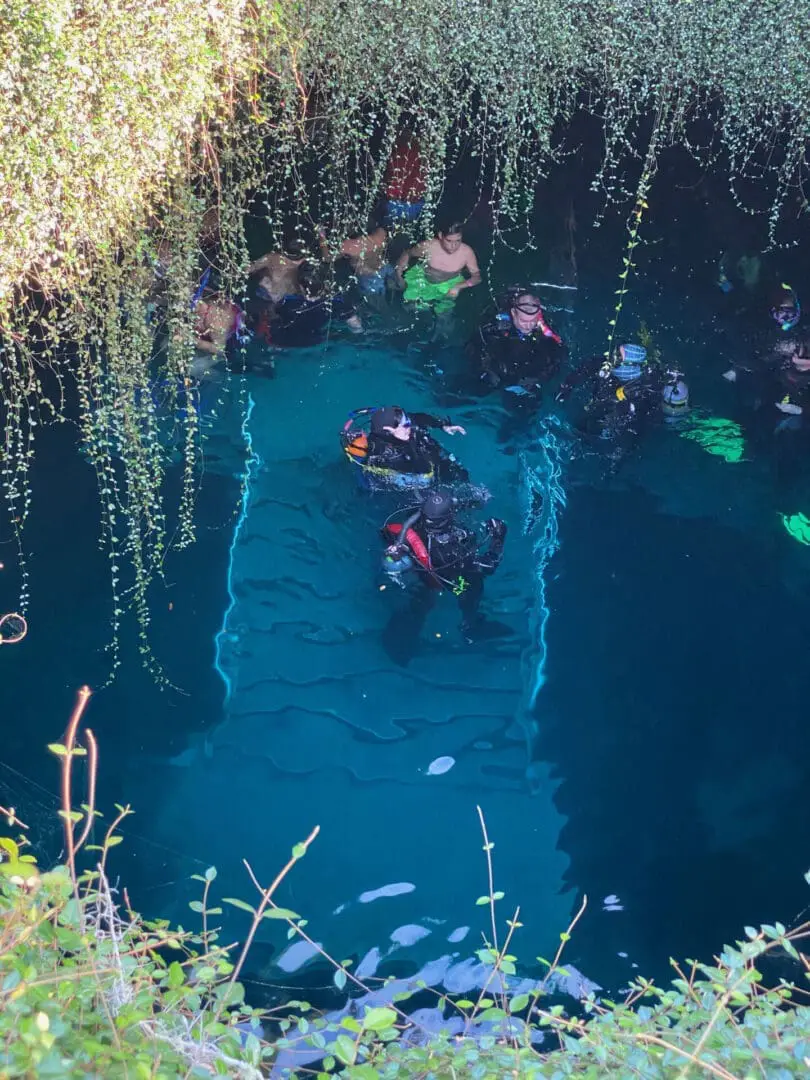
[638,736]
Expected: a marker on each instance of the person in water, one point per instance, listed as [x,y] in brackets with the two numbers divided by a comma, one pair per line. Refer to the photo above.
[775,348]
[517,350]
[438,275]
[306,319]
[399,444]
[623,394]
[217,322]
[279,272]
[367,254]
[431,545]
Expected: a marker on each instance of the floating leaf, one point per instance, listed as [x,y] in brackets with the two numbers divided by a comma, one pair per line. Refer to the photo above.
[280,913]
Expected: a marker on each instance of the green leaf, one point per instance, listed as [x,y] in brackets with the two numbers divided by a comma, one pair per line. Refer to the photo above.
[238,904]
[299,851]
[339,978]
[210,873]
[113,840]
[482,900]
[498,896]
[345,1049]
[7,844]
[280,913]
[58,749]
[195,905]
[519,1003]
[378,1019]
[176,976]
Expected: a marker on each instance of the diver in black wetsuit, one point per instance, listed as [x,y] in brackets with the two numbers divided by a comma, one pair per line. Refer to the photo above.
[624,395]
[445,555]
[400,443]
[518,351]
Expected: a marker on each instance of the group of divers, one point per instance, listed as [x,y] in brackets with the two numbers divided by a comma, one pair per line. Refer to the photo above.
[515,353]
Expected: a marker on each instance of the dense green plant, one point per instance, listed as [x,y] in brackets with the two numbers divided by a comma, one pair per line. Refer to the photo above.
[89,987]
[134,132]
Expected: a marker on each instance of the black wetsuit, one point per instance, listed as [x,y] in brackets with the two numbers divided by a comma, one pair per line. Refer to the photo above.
[420,454]
[457,563]
[784,437]
[617,409]
[297,321]
[508,358]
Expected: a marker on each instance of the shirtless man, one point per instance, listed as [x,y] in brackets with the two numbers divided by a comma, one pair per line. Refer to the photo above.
[279,270]
[367,258]
[438,276]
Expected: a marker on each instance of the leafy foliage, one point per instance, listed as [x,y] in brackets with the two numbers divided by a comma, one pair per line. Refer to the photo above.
[137,132]
[89,986]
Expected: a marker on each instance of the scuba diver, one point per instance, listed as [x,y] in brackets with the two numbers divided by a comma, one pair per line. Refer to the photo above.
[517,350]
[625,393]
[397,451]
[445,556]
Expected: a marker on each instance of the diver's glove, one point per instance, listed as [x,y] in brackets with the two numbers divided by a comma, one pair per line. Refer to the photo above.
[497,531]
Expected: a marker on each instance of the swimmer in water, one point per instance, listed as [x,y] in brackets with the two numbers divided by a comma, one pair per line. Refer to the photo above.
[279,272]
[438,276]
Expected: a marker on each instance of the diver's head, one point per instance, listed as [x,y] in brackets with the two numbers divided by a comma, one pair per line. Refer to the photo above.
[437,509]
[525,312]
[785,309]
[629,361]
[450,238]
[391,421]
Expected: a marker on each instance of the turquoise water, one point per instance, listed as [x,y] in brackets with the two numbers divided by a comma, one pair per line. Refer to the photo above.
[321,727]
[661,758]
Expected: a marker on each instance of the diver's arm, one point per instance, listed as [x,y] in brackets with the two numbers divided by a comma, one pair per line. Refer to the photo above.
[579,376]
[427,420]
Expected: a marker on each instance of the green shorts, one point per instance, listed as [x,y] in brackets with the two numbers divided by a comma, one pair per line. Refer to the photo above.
[424,293]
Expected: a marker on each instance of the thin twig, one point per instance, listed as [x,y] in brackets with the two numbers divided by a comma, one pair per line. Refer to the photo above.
[82,698]
[257,918]
[12,817]
[92,772]
[488,852]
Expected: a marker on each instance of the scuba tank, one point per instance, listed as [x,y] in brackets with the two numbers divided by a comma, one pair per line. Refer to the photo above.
[396,563]
[675,399]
